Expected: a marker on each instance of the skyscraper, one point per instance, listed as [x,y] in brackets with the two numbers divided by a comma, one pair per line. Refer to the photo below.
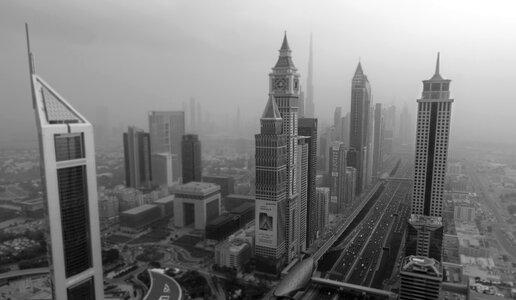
[309,102]
[192,163]
[193,116]
[308,127]
[389,117]
[166,130]
[359,123]
[67,154]
[378,139]
[337,123]
[345,130]
[271,191]
[299,221]
[322,195]
[433,131]
[405,128]
[425,229]
[137,158]
[337,176]
[284,92]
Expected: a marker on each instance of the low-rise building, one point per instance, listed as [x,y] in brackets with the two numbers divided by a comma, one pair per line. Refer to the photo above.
[196,204]
[232,254]
[138,220]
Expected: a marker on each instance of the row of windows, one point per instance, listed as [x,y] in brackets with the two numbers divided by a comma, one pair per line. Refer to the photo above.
[69,146]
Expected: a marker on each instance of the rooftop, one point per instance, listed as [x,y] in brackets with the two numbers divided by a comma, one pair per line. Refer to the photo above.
[197,188]
[165,200]
[139,209]
[428,220]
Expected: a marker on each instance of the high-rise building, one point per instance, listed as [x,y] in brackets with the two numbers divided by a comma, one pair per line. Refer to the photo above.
[68,171]
[322,196]
[389,121]
[199,118]
[370,152]
[337,156]
[420,278]
[350,185]
[301,102]
[193,115]
[162,174]
[425,230]
[192,163]
[433,131]
[378,139]
[405,128]
[271,195]
[337,123]
[279,122]
[137,158]
[309,103]
[359,123]
[166,130]
[299,222]
[345,130]
[308,127]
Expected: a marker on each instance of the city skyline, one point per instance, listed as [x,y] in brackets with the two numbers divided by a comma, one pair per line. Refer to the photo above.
[333,61]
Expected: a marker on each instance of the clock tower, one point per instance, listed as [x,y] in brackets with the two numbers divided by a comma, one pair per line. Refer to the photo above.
[284,89]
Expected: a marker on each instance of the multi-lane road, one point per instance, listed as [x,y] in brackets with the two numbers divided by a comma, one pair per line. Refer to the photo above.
[361,250]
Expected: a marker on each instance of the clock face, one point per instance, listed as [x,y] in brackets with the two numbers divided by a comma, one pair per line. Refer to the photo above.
[280,84]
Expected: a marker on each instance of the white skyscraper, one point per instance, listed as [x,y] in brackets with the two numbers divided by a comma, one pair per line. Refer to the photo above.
[67,156]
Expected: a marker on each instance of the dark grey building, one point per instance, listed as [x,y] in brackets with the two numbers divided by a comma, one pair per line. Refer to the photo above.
[308,127]
[226,183]
[137,158]
[359,123]
[191,153]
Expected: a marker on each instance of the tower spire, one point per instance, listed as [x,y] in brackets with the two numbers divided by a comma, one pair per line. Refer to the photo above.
[437,65]
[284,45]
[29,53]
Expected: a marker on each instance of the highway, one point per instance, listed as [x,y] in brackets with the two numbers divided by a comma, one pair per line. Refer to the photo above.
[360,249]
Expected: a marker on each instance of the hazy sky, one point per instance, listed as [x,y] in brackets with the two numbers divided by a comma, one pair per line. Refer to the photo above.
[135,56]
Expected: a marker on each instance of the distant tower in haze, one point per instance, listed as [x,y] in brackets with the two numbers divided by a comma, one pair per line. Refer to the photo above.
[378,139]
[137,158]
[193,120]
[278,246]
[199,118]
[337,176]
[68,173]
[405,127]
[337,123]
[166,130]
[192,163]
[345,130]
[359,123]
[301,102]
[389,121]
[425,230]
[309,111]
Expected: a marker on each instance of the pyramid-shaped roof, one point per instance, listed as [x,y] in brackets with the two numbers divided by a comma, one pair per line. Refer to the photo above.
[271,110]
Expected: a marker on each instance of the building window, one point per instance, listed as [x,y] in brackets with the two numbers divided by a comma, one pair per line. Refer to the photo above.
[73,200]
[82,291]
[69,146]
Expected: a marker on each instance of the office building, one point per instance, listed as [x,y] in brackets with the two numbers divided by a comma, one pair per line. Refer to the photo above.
[161,164]
[378,139]
[166,205]
[278,198]
[68,173]
[232,254]
[166,130]
[337,124]
[137,159]
[196,204]
[226,183]
[322,195]
[192,163]
[350,185]
[337,176]
[300,215]
[421,278]
[405,129]
[308,127]
[425,228]
[138,221]
[389,121]
[359,126]
[232,201]
[222,226]
[345,130]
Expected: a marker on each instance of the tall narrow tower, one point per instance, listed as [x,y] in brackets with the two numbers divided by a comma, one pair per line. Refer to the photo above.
[284,88]
[67,154]
[425,230]
[309,111]
[359,123]
[271,191]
